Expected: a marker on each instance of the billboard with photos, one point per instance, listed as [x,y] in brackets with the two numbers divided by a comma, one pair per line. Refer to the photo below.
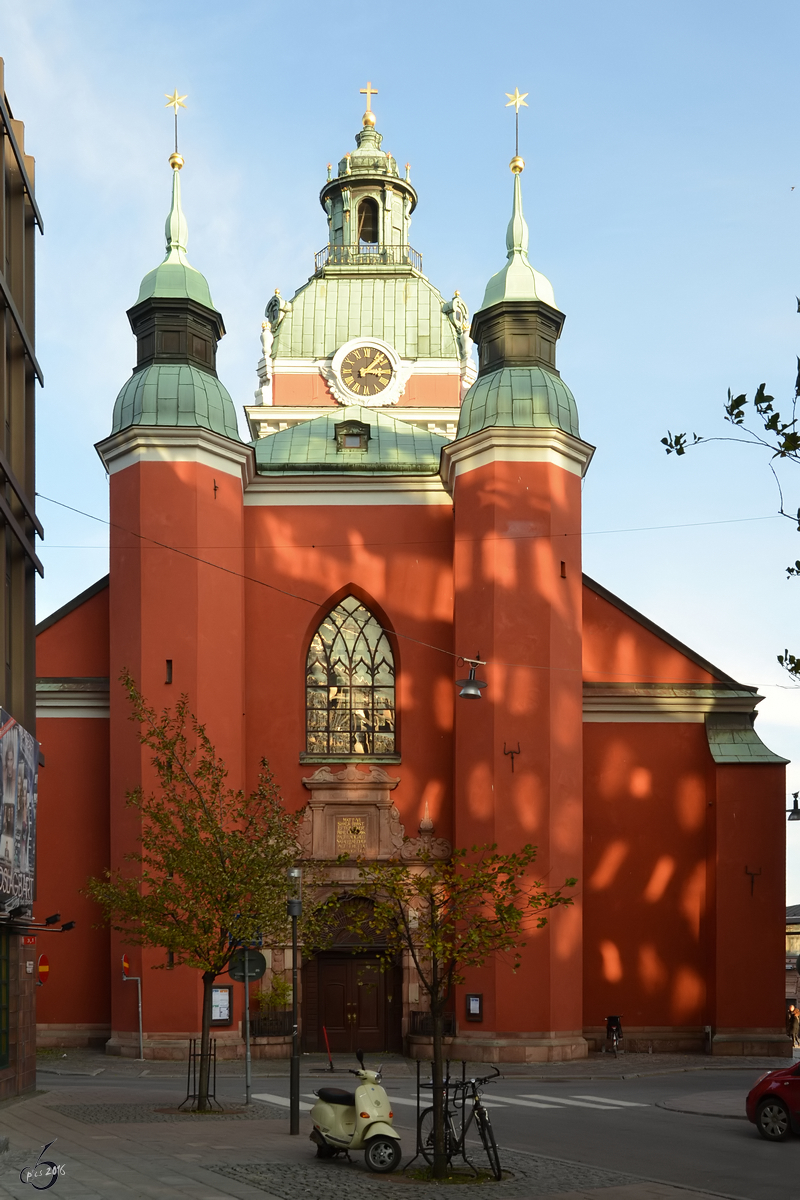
[19,768]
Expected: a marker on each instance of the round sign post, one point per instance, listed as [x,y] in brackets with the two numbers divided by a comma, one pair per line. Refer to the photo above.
[245,966]
[137,979]
[126,966]
[43,967]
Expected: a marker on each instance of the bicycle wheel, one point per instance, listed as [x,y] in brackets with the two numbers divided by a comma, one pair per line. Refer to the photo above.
[426,1135]
[489,1144]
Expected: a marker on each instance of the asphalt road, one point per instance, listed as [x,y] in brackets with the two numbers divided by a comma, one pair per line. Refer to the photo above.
[616,1124]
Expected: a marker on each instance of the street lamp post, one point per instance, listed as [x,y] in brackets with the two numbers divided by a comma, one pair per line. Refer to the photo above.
[294,907]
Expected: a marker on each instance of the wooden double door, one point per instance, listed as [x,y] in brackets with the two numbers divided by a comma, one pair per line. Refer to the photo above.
[353,1003]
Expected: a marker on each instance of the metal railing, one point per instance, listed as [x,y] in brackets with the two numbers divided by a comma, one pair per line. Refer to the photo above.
[367,254]
[422,1024]
[271,1024]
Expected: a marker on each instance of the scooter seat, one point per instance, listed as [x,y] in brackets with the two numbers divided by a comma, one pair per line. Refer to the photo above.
[337,1096]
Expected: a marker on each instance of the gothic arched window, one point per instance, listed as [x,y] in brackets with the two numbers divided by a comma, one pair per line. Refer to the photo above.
[350,684]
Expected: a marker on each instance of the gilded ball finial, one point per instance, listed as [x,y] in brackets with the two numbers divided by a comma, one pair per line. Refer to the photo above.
[369,119]
[175,161]
[517,165]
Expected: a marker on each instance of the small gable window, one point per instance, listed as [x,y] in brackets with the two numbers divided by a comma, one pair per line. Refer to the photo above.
[351,435]
[350,685]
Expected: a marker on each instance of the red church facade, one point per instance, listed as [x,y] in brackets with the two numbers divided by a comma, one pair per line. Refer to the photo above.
[311,590]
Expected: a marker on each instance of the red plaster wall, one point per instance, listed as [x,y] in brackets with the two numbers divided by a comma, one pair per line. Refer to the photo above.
[646,947]
[73,825]
[421,390]
[398,560]
[514,606]
[616,649]
[77,645]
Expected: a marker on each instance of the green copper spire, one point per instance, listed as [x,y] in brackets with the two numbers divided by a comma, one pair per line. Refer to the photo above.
[175,277]
[518,280]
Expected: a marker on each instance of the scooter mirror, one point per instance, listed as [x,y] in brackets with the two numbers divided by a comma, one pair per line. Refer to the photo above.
[360,1057]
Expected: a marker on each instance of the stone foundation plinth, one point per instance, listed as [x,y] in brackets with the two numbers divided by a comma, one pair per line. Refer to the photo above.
[94,1036]
[175,1048]
[503,1047]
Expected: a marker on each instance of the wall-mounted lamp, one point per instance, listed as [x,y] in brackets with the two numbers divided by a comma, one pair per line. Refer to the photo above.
[794,811]
[471,687]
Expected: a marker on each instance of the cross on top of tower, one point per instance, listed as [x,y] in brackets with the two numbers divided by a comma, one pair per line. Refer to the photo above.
[369,91]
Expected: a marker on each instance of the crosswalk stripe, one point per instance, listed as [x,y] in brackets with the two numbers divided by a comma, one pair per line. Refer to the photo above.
[616,1103]
[528,1103]
[268,1098]
[574,1103]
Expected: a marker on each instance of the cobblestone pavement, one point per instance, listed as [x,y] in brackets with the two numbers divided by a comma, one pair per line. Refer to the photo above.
[121,1114]
[532,1176]
[87,1062]
[217,1158]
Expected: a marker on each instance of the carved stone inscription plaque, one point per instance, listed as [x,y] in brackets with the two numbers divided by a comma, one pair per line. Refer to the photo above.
[351,836]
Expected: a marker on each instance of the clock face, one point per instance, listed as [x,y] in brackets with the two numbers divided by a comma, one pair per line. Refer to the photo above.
[366,371]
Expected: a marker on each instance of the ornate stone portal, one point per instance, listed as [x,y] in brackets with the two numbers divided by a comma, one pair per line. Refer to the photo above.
[351,812]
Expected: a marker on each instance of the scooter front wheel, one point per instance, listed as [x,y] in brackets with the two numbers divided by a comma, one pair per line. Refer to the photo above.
[382,1154]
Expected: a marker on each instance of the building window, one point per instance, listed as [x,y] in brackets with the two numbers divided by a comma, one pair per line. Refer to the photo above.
[368,222]
[350,685]
[351,435]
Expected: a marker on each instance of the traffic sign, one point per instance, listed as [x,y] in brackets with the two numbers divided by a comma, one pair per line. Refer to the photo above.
[44,968]
[126,966]
[29,939]
[256,965]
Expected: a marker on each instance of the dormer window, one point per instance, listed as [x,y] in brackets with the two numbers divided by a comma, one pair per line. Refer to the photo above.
[351,435]
[368,222]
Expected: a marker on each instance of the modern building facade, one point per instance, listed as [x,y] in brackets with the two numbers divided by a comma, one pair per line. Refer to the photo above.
[20,224]
[398,508]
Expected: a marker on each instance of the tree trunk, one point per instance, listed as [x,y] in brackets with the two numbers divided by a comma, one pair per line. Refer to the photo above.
[203,1102]
[437,1017]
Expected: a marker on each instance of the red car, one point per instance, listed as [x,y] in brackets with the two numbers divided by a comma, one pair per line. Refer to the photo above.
[773,1103]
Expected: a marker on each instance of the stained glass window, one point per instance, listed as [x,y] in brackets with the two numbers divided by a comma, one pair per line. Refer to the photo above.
[350,684]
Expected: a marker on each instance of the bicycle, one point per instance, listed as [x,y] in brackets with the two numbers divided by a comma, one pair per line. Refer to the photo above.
[614,1033]
[457,1124]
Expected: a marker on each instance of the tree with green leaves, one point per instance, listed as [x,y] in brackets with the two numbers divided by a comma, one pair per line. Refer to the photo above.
[447,916]
[210,872]
[764,427]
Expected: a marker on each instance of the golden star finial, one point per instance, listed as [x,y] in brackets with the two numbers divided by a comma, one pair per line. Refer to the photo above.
[175,101]
[518,100]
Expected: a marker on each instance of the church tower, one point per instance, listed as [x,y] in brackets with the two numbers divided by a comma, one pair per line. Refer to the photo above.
[176,475]
[515,472]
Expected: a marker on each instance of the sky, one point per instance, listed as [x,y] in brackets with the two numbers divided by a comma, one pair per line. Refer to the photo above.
[662,192]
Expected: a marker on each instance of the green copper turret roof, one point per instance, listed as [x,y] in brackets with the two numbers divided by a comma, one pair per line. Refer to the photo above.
[518,280]
[521,397]
[175,277]
[167,394]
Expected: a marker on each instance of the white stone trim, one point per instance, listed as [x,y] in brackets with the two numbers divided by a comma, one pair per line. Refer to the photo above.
[264,420]
[323,491]
[418,366]
[171,443]
[658,704]
[500,443]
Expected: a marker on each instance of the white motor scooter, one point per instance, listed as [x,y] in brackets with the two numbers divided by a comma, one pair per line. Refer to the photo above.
[360,1120]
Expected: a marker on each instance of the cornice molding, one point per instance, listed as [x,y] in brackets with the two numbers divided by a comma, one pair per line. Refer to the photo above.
[663,703]
[72,697]
[171,443]
[332,490]
[501,443]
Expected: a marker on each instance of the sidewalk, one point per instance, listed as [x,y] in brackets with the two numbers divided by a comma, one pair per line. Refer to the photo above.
[114,1146]
[95,1063]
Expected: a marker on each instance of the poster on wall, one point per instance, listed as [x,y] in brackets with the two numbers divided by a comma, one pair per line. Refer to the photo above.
[19,776]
